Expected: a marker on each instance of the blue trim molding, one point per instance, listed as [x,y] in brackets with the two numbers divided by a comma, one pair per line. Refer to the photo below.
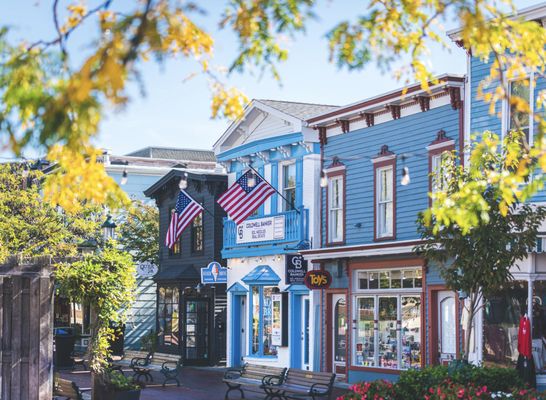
[237,289]
[260,276]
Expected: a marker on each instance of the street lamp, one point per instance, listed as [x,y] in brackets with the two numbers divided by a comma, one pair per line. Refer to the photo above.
[108,228]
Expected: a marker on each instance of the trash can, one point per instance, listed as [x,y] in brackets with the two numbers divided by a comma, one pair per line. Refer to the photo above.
[63,347]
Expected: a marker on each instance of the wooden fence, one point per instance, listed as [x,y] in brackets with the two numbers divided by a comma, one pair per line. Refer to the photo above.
[26,329]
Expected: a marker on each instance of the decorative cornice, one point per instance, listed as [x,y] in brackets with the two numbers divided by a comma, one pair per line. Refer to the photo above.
[424,102]
[369,118]
[395,110]
[442,140]
[323,137]
[344,125]
[384,155]
[336,163]
[455,97]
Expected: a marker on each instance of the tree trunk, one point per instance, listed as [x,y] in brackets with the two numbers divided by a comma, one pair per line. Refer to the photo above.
[468,328]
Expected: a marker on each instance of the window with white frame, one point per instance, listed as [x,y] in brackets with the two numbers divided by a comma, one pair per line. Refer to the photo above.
[388,318]
[289,186]
[385,201]
[335,209]
[438,177]
[516,117]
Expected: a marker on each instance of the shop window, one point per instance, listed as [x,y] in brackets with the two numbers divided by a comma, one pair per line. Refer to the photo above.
[395,343]
[168,316]
[501,322]
[438,180]
[338,272]
[289,186]
[391,279]
[262,321]
[340,315]
[336,217]
[197,234]
[516,118]
[384,186]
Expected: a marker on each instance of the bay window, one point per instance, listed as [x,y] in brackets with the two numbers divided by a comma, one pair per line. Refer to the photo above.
[388,318]
[384,186]
[261,306]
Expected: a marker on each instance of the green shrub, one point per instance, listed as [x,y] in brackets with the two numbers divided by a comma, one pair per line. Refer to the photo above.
[414,383]
[449,390]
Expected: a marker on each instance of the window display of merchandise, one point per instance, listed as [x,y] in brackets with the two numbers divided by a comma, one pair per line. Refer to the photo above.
[502,313]
[388,330]
[263,321]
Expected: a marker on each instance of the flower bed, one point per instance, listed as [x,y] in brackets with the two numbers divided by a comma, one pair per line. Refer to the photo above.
[463,382]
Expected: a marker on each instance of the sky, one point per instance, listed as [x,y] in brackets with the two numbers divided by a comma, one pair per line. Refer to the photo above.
[176,112]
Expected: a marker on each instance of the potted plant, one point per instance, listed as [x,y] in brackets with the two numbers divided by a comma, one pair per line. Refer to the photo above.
[119,387]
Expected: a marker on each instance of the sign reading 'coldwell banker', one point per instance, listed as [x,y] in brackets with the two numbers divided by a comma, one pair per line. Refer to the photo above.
[296,268]
[261,230]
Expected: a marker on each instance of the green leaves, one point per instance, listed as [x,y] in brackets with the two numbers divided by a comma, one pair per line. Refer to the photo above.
[139,232]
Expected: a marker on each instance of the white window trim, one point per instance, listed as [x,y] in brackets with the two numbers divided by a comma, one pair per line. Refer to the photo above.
[356,288]
[281,202]
[378,172]
[340,238]
[505,120]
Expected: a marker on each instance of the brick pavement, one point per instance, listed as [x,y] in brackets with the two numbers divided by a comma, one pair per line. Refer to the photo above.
[196,384]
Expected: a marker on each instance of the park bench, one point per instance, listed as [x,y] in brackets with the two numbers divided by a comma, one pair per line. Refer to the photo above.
[143,364]
[251,375]
[65,389]
[300,384]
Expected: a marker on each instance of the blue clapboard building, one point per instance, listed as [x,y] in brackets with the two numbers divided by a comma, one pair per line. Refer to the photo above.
[386,310]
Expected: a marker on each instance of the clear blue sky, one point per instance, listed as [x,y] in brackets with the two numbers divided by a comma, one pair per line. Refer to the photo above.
[177,113]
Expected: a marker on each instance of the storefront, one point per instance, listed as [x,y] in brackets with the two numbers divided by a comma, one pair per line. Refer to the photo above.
[270,319]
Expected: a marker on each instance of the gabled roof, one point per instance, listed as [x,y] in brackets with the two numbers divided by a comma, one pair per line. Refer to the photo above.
[176,174]
[293,113]
[299,110]
[173,153]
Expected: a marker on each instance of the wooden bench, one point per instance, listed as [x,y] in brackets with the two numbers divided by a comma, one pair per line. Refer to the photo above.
[300,384]
[63,388]
[252,375]
[143,364]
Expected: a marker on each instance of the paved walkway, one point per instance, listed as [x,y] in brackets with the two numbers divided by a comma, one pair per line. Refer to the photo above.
[196,384]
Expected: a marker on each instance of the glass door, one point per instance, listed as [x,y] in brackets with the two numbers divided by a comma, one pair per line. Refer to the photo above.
[447,345]
[196,321]
[168,319]
[339,334]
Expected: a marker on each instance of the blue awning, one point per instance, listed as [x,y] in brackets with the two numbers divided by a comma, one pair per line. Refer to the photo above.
[237,288]
[262,275]
[294,288]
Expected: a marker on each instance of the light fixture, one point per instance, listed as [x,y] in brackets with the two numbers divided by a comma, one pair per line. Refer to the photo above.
[183,184]
[198,288]
[323,179]
[124,177]
[405,177]
[108,228]
[251,179]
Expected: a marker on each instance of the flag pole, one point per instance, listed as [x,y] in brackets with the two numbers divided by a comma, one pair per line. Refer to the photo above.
[275,189]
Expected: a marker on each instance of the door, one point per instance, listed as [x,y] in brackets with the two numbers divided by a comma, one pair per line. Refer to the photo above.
[305,333]
[339,334]
[243,324]
[196,324]
[168,319]
[447,325]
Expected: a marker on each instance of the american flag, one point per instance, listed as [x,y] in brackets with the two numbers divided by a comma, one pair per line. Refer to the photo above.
[241,200]
[184,213]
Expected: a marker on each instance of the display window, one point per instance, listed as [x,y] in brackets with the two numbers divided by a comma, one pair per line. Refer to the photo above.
[388,319]
[262,307]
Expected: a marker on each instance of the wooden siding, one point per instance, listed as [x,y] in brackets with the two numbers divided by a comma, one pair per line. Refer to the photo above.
[410,134]
[264,128]
[212,226]
[480,118]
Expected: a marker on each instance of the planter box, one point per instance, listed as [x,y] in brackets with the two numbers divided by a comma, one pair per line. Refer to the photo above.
[127,395]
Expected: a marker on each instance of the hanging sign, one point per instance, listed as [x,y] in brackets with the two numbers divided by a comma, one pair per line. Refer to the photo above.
[318,279]
[213,273]
[296,268]
[261,230]
[146,269]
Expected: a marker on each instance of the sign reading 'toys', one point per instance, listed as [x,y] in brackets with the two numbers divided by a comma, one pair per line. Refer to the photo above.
[318,279]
